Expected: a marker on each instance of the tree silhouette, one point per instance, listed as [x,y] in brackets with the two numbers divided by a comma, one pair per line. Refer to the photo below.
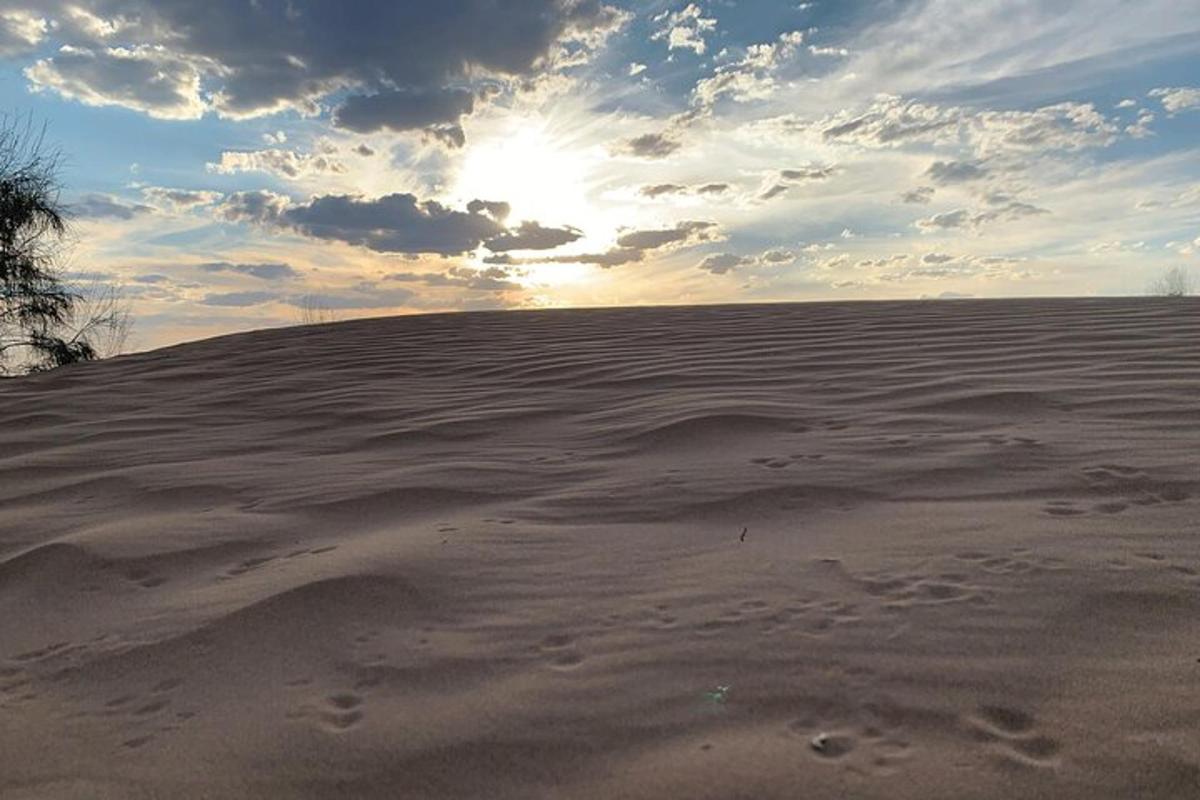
[1175,282]
[41,324]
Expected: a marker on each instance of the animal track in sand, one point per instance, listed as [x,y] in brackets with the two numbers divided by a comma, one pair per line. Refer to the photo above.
[782,462]
[144,578]
[342,711]
[562,649]
[1013,731]
[897,592]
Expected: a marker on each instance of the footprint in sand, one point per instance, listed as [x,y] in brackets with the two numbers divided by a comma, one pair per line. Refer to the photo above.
[1013,732]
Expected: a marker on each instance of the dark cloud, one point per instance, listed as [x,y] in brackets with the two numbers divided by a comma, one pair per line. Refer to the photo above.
[774,191]
[103,206]
[492,279]
[180,198]
[495,209]
[633,246]
[257,58]
[612,258]
[258,207]
[650,145]
[266,272]
[364,150]
[659,189]
[684,232]
[435,110]
[810,173]
[663,189]
[532,236]
[790,177]
[394,223]
[919,196]
[721,263]
[151,278]
[947,172]
[962,218]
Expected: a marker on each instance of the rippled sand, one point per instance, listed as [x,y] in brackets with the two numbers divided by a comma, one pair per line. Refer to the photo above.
[501,556]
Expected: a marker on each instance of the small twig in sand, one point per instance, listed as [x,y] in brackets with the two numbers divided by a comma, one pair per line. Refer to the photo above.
[742,538]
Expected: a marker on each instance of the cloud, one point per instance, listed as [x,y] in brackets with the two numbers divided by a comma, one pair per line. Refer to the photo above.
[263,58]
[689,232]
[104,206]
[893,122]
[1140,129]
[493,208]
[434,110]
[20,32]
[660,189]
[665,189]
[650,145]
[812,172]
[281,163]
[774,191]
[492,279]
[920,195]
[1178,98]
[258,207]
[962,218]
[777,256]
[947,172]
[684,29]
[788,178]
[239,299]
[393,223]
[633,246]
[180,199]
[721,263]
[532,236]
[266,272]
[752,77]
[146,78]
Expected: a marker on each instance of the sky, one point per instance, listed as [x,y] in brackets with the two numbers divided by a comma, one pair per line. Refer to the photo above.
[232,163]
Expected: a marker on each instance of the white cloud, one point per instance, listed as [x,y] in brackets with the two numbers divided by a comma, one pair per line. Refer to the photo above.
[1178,98]
[281,163]
[685,29]
[751,77]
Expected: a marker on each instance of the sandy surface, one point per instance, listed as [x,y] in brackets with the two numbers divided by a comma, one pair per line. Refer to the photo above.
[499,556]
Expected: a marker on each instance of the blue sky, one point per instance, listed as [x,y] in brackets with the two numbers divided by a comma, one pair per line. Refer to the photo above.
[230,162]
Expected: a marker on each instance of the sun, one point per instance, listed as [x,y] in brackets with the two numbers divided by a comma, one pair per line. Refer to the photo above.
[541,176]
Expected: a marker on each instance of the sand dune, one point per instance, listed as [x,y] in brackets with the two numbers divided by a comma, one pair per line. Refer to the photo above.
[498,555]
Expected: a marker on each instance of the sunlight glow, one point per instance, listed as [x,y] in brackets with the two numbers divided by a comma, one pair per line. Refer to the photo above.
[523,164]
